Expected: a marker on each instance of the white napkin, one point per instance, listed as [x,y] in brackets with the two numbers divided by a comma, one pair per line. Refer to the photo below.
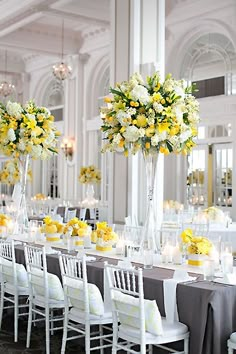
[90,258]
[126,264]
[169,287]
[228,278]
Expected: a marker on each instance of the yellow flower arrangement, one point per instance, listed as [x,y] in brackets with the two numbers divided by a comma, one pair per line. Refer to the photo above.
[4,220]
[51,226]
[40,196]
[79,228]
[196,244]
[89,174]
[105,237]
[27,130]
[10,173]
[154,116]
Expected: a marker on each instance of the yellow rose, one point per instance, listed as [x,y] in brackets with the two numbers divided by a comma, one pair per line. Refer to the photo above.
[141,120]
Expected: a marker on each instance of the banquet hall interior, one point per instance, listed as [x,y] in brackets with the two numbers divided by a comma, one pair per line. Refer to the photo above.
[73,57]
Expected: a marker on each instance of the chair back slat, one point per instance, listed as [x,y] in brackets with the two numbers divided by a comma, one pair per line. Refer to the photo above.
[8,267]
[126,289]
[74,277]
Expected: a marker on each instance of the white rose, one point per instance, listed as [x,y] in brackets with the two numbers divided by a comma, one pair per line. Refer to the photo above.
[11,135]
[30,116]
[36,151]
[21,145]
[158,107]
[131,134]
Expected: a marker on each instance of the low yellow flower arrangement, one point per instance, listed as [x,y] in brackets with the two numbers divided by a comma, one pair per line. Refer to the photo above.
[105,237]
[4,220]
[53,229]
[40,196]
[196,245]
[78,228]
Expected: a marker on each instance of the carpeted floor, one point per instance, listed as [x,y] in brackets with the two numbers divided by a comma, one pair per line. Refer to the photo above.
[7,345]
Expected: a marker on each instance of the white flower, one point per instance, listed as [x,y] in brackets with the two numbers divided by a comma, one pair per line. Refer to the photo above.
[30,116]
[141,132]
[117,138]
[155,139]
[123,118]
[11,167]
[21,145]
[131,111]
[179,91]
[13,109]
[158,107]
[131,134]
[49,140]
[140,93]
[185,135]
[36,151]
[151,121]
[11,135]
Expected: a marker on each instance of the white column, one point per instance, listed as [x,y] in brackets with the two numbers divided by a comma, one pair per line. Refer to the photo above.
[138,43]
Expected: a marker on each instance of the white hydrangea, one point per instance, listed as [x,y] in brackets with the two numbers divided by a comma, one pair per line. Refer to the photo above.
[11,134]
[123,118]
[131,111]
[185,135]
[14,109]
[155,139]
[131,134]
[140,93]
[151,121]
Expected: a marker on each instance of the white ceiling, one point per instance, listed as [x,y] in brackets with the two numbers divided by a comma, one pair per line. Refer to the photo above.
[31,29]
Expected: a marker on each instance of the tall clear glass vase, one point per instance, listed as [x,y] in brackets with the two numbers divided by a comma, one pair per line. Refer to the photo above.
[149,244]
[22,221]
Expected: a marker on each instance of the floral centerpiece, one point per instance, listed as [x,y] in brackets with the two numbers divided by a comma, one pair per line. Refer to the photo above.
[10,173]
[197,246]
[40,196]
[214,214]
[52,228]
[104,236]
[5,222]
[89,175]
[78,229]
[26,131]
[153,116]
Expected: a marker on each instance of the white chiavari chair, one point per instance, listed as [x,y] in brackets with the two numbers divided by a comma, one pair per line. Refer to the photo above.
[137,321]
[87,306]
[46,293]
[14,283]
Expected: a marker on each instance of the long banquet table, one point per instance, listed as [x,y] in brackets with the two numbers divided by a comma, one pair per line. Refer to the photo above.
[207,308]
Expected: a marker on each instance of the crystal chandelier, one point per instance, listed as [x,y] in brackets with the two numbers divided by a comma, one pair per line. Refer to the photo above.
[6,88]
[62,70]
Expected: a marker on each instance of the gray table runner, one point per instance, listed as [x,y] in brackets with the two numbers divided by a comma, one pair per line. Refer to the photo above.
[208,309]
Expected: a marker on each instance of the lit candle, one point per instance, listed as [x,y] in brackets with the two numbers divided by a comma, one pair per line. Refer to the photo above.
[167,253]
[120,246]
[177,255]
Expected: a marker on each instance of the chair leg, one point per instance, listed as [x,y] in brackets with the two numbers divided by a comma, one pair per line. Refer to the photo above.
[47,328]
[186,345]
[51,322]
[1,305]
[64,338]
[87,338]
[143,349]
[29,325]
[16,312]
[114,338]
[150,348]
[101,339]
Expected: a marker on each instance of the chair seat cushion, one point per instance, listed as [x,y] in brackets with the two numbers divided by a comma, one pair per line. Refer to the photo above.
[21,273]
[55,290]
[128,308]
[75,291]
[169,330]
[77,315]
[233,337]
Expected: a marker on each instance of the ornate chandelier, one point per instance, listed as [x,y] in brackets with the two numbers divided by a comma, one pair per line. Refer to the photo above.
[62,70]
[6,88]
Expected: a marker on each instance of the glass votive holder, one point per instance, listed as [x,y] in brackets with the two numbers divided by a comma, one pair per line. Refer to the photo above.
[148,258]
[209,269]
[227,263]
